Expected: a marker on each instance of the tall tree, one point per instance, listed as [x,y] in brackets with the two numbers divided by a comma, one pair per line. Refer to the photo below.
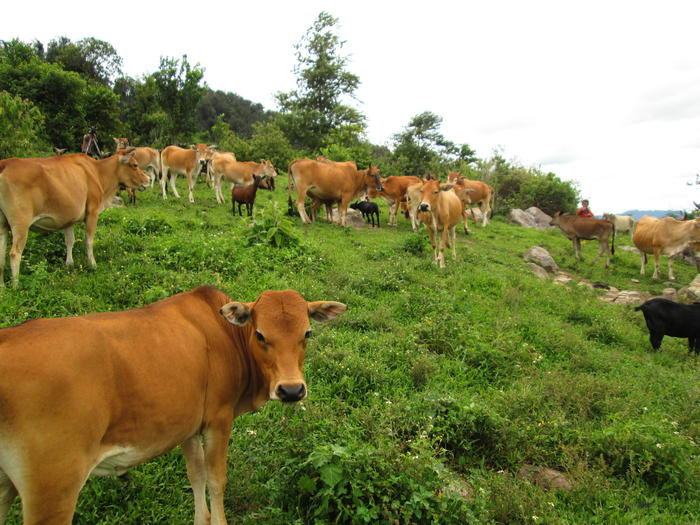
[316,108]
[240,114]
[94,59]
[421,147]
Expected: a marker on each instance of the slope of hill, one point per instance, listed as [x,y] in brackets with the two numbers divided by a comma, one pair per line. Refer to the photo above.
[427,397]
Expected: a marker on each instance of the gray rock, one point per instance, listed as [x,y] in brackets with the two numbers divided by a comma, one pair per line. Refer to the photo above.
[540,256]
[562,278]
[354,218]
[629,297]
[538,271]
[531,218]
[691,293]
[670,294]
[626,248]
[546,478]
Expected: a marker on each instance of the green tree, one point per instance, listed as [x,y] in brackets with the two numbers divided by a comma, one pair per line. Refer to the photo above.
[178,91]
[421,147]
[21,127]
[239,113]
[64,98]
[93,59]
[315,109]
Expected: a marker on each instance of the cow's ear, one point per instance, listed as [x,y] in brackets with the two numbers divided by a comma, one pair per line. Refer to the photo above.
[323,311]
[236,313]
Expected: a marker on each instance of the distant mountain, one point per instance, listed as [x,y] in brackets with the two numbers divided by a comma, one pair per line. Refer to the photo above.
[638,214]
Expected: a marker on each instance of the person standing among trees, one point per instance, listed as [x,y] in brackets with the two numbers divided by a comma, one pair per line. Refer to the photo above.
[90,146]
[584,211]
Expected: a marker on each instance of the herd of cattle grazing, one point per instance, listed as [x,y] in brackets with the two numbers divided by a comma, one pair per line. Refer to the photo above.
[101,393]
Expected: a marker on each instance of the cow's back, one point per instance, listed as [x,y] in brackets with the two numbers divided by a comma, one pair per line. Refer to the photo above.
[57,186]
[128,373]
[326,181]
[178,159]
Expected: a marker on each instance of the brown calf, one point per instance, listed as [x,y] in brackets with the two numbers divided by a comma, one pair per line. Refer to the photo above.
[440,210]
[577,228]
[245,195]
[482,195]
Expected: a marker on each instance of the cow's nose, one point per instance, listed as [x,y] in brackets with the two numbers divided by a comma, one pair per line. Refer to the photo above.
[291,393]
[424,206]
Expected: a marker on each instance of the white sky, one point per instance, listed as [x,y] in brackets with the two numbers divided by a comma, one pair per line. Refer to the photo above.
[605,93]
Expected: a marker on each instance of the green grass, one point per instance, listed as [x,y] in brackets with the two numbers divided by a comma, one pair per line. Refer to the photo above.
[427,396]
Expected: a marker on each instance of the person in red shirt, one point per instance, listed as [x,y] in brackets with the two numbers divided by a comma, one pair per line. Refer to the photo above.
[585,211]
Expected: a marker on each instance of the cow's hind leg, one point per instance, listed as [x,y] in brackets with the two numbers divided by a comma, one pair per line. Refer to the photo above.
[642,270]
[19,239]
[577,248]
[670,268]
[657,256]
[4,232]
[8,493]
[453,232]
[163,181]
[197,474]
[655,339]
[69,236]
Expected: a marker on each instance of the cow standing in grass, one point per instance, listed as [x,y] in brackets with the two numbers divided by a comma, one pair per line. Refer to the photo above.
[577,228]
[440,210]
[667,236]
[54,193]
[664,317]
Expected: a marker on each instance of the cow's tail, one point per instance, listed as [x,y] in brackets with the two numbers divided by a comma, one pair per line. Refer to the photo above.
[612,247]
[637,308]
[290,185]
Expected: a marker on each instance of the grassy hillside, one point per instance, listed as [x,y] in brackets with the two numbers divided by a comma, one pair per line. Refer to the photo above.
[426,397]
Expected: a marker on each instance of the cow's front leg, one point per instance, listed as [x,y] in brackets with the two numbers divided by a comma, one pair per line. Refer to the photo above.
[215,448]
[191,179]
[70,240]
[197,474]
[90,228]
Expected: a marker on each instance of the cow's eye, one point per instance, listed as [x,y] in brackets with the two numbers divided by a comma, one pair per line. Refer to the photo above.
[260,337]
[307,334]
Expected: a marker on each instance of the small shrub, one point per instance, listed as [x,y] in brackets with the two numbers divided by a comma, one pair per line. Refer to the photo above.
[271,227]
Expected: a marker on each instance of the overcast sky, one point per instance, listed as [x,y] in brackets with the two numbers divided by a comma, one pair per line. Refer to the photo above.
[605,93]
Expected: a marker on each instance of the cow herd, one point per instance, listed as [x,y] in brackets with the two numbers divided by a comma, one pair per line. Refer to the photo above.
[67,406]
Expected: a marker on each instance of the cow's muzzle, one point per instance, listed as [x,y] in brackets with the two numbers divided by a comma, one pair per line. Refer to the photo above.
[291,393]
[424,206]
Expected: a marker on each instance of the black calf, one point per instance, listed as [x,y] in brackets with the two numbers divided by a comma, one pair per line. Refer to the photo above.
[665,317]
[368,210]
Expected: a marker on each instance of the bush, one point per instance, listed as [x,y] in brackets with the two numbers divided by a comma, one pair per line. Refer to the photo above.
[21,127]
[272,227]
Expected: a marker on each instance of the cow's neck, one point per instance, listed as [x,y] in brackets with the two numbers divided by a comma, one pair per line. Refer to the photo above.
[109,185]
[256,391]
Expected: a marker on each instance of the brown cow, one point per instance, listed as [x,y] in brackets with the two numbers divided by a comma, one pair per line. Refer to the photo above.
[482,196]
[577,228]
[54,193]
[245,195]
[666,236]
[101,393]
[440,210]
[330,182]
[242,173]
[176,161]
[393,190]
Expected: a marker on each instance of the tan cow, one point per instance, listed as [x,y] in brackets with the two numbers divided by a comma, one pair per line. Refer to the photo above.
[440,210]
[393,190]
[330,183]
[224,166]
[623,223]
[101,393]
[414,192]
[54,193]
[482,195]
[666,236]
[577,228]
[176,161]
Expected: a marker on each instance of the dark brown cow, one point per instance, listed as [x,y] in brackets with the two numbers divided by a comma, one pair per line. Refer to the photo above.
[54,193]
[101,393]
[577,228]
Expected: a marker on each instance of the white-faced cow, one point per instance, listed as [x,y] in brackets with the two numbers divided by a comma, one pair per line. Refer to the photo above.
[54,193]
[330,183]
[101,393]
[577,228]
[666,236]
